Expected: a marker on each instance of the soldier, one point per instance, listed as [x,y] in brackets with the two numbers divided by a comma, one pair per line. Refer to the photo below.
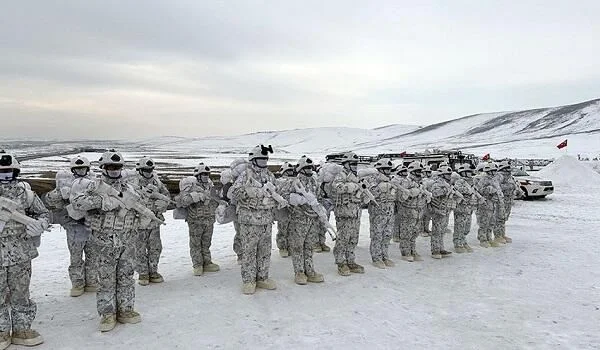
[156,197]
[492,206]
[23,218]
[381,214]
[284,185]
[198,196]
[463,213]
[113,239]
[400,175]
[440,206]
[83,275]
[410,210]
[427,181]
[256,197]
[509,190]
[348,199]
[304,225]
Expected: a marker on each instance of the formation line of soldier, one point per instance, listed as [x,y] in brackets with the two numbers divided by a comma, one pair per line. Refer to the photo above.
[112,222]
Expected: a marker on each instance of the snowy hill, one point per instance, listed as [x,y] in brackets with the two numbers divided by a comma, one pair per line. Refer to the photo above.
[529,133]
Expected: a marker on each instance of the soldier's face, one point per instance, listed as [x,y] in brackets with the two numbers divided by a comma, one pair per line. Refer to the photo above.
[204,178]
[6,175]
[147,173]
[261,162]
[385,171]
[81,171]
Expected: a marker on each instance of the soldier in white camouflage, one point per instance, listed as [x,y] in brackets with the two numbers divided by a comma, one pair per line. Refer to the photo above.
[113,240]
[83,275]
[23,218]
[255,195]
[463,213]
[199,197]
[284,185]
[382,215]
[427,181]
[304,222]
[441,204]
[491,207]
[327,203]
[410,204]
[399,177]
[509,190]
[156,197]
[347,200]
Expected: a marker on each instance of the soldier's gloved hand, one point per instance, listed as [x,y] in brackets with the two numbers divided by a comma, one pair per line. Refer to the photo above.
[110,203]
[296,199]
[351,187]
[65,192]
[282,204]
[161,206]
[197,197]
[414,192]
[35,229]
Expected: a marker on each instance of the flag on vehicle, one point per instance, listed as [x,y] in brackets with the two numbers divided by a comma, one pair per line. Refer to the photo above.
[562,145]
[486,157]
[403,154]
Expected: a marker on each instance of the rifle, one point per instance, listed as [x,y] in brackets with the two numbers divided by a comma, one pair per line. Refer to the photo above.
[270,190]
[317,208]
[364,191]
[127,200]
[153,193]
[9,211]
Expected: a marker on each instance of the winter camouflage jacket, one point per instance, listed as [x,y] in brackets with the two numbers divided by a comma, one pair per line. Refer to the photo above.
[16,246]
[255,205]
[385,194]
[146,187]
[471,198]
[202,210]
[489,188]
[113,227]
[347,200]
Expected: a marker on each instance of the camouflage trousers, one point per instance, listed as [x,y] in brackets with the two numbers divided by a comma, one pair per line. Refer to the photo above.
[408,227]
[426,219]
[321,235]
[439,223]
[237,241]
[283,232]
[201,232]
[462,226]
[303,232]
[347,239]
[81,272]
[116,292]
[381,229]
[17,311]
[147,251]
[486,222]
[256,252]
[501,218]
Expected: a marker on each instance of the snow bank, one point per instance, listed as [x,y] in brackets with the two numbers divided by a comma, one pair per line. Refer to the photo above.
[567,171]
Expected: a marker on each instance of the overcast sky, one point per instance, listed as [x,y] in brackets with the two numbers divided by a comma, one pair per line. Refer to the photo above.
[115,69]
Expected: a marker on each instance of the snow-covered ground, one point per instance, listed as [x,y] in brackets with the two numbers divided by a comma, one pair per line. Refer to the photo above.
[540,292]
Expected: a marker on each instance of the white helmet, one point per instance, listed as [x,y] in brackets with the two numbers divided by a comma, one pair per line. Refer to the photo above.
[383,163]
[415,166]
[349,157]
[427,170]
[79,162]
[260,151]
[442,165]
[480,167]
[463,169]
[201,168]
[504,166]
[445,170]
[401,170]
[305,162]
[489,167]
[145,163]
[9,162]
[287,167]
[111,157]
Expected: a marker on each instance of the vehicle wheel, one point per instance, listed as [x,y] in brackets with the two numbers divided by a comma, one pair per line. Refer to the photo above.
[525,194]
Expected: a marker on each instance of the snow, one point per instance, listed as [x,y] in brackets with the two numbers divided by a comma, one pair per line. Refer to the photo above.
[567,171]
[542,291]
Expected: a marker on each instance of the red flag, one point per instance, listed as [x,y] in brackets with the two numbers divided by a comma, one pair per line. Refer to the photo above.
[562,145]
[403,154]
[486,157]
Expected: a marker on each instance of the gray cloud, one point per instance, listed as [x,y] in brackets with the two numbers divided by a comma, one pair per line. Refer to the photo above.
[134,69]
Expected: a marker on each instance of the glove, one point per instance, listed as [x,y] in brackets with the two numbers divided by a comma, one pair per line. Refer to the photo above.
[110,203]
[36,228]
[65,192]
[413,192]
[351,187]
[161,206]
[197,197]
[296,199]
[385,187]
